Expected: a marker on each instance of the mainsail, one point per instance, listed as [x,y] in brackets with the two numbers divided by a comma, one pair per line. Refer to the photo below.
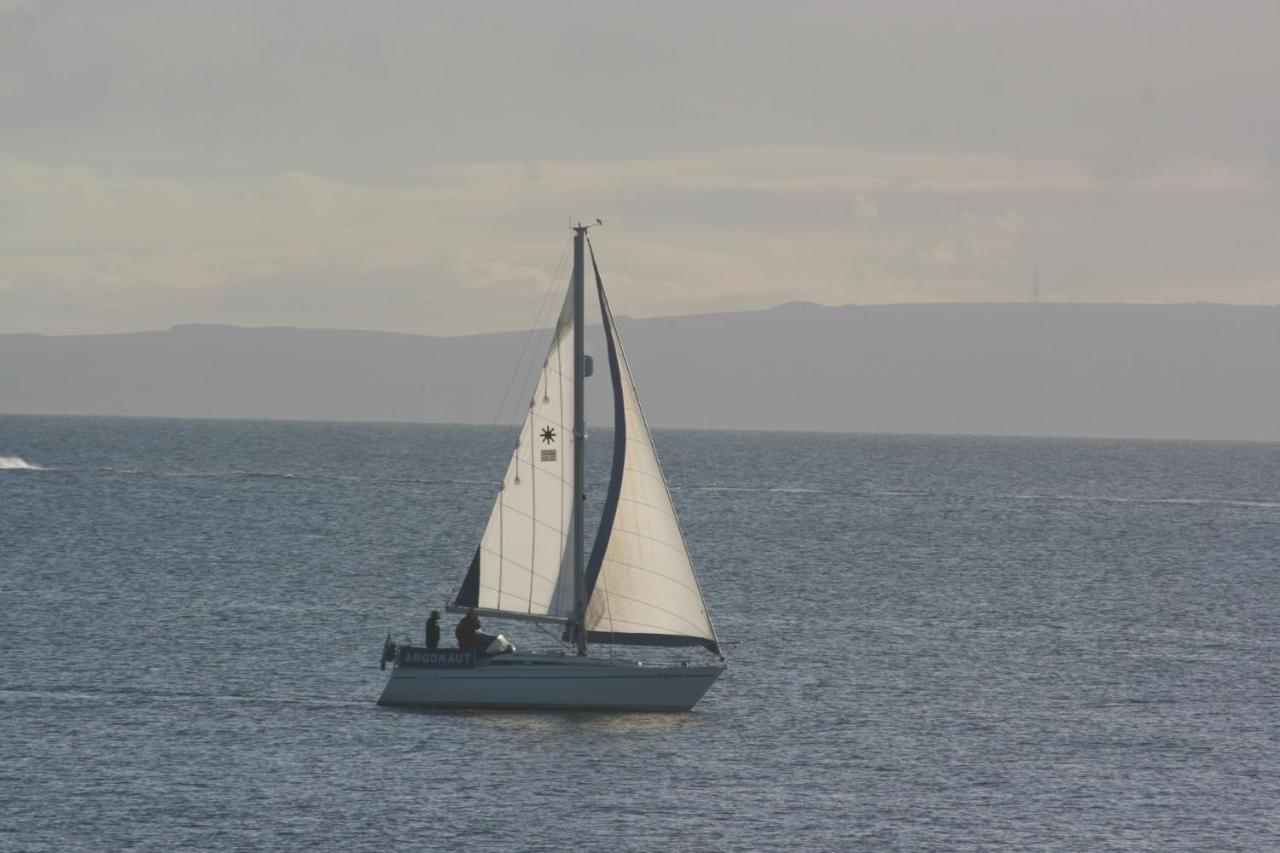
[639,579]
[522,567]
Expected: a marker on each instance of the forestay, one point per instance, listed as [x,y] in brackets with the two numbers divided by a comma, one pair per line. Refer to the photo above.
[522,567]
[640,581]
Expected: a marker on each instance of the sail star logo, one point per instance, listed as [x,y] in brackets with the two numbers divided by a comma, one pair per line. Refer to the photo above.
[548,454]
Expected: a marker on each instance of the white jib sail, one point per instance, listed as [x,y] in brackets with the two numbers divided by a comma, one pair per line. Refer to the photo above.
[522,561]
[645,585]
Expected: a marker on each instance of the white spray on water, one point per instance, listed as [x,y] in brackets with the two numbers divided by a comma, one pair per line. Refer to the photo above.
[17,463]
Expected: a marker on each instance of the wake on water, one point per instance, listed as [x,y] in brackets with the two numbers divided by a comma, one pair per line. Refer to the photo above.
[17,463]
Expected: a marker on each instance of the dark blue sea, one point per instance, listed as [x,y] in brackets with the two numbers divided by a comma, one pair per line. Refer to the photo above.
[939,644]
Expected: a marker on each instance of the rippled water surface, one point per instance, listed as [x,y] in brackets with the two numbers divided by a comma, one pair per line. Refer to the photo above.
[941,643]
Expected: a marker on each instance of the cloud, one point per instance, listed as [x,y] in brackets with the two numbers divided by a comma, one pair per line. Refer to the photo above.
[939,256]
[474,247]
[787,169]
[866,206]
[16,7]
[1201,176]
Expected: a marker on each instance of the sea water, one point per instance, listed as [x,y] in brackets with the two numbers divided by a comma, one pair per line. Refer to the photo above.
[934,643]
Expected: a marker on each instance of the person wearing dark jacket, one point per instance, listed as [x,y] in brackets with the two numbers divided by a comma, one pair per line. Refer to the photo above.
[433,629]
[466,630]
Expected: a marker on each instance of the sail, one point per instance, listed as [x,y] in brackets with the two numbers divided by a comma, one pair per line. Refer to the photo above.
[640,582]
[522,566]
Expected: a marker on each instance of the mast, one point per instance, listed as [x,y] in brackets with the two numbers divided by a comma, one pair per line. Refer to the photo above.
[579,444]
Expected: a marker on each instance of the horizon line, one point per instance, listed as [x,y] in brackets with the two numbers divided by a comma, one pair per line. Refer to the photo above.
[797,303]
[602,428]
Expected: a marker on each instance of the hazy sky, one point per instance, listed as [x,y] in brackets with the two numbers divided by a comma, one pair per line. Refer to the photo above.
[414,166]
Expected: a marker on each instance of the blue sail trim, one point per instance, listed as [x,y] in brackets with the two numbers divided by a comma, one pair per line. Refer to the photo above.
[469,593]
[619,443]
[623,638]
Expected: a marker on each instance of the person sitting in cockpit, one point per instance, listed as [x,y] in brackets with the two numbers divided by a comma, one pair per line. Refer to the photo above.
[465,633]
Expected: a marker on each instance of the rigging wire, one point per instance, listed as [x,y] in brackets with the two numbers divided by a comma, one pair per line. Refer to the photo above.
[533,329]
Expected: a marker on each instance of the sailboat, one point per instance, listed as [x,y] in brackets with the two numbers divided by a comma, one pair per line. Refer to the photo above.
[636,588]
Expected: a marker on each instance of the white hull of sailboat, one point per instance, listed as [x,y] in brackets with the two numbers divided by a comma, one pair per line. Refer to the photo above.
[551,683]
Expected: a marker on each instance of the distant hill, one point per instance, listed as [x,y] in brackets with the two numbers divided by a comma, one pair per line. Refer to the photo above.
[1159,371]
